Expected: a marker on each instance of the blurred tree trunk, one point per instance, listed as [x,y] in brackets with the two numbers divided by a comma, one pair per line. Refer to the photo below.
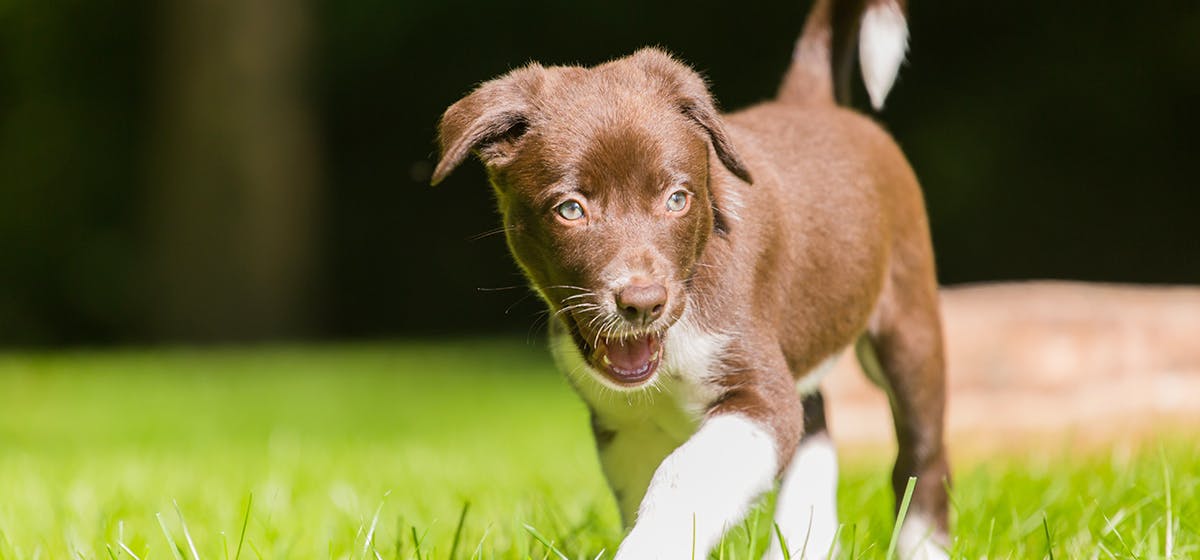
[234,177]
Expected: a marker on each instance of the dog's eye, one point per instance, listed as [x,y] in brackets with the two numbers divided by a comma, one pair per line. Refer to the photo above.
[677,201]
[570,210]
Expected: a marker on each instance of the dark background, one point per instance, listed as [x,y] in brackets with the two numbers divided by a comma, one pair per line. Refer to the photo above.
[210,170]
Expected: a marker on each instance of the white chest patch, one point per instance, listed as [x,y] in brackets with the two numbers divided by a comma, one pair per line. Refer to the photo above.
[649,422]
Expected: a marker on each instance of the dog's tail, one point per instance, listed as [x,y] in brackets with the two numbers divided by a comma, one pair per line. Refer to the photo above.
[821,62]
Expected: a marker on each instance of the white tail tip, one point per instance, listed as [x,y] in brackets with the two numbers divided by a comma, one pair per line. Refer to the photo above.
[882,42]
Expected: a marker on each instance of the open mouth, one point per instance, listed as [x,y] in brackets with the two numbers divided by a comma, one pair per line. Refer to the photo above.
[628,360]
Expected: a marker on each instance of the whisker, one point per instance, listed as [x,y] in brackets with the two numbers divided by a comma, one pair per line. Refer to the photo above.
[499,288]
[612,326]
[598,332]
[594,319]
[541,319]
[491,232]
[596,343]
[565,287]
[578,305]
[583,305]
[519,300]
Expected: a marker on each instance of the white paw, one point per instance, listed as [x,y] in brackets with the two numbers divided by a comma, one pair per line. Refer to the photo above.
[920,540]
[642,545]
[806,510]
[799,552]
[924,551]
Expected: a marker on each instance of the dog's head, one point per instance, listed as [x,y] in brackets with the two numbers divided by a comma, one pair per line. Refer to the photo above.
[602,176]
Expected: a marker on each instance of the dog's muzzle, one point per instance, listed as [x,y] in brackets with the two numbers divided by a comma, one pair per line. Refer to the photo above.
[629,360]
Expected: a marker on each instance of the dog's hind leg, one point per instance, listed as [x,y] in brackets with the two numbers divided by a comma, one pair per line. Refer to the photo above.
[902,352]
[806,507]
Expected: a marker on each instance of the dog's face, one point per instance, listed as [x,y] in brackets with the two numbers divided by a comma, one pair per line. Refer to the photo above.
[602,176]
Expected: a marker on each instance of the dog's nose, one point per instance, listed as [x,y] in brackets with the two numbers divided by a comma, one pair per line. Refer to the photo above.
[641,303]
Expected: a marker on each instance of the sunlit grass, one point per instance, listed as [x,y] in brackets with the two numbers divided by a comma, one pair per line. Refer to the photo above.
[377,452]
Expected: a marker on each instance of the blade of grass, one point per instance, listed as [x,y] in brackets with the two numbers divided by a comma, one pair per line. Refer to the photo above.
[462,517]
[833,543]
[127,551]
[751,535]
[170,539]
[245,522]
[1169,545]
[812,512]
[254,548]
[1049,544]
[991,533]
[358,533]
[853,543]
[479,548]
[371,531]
[399,539]
[745,525]
[186,534]
[549,545]
[1112,528]
[416,542]
[787,554]
[693,536]
[908,491]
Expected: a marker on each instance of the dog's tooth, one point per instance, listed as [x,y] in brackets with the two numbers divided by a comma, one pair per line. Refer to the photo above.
[605,360]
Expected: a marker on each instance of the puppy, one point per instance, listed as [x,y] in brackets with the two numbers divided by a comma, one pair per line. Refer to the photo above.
[703,269]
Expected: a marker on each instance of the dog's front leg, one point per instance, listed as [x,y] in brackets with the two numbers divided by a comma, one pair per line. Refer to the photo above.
[702,488]
[709,483]
[629,455]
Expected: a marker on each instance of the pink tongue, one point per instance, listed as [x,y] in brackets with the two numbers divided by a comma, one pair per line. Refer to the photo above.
[630,354]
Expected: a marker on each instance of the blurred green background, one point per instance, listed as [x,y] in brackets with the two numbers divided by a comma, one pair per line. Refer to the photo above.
[331,442]
[211,170]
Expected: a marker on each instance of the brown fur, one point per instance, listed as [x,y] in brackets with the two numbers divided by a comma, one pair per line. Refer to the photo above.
[806,227]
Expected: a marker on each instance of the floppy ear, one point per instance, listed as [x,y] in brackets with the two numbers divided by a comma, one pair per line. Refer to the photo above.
[705,114]
[695,102]
[495,113]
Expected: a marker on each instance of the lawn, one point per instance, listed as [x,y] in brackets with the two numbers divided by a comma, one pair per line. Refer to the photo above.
[376,451]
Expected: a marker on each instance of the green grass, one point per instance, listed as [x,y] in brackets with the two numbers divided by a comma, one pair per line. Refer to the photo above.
[375,451]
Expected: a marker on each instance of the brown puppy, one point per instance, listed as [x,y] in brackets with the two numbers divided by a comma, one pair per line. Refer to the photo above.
[702,270]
